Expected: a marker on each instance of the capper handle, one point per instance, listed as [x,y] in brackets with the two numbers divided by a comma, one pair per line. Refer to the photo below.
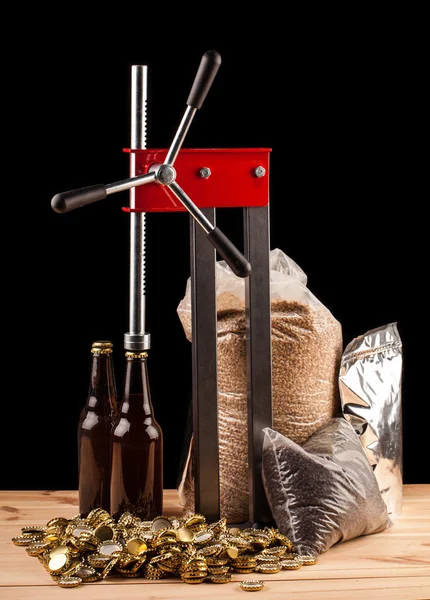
[232,256]
[67,201]
[209,65]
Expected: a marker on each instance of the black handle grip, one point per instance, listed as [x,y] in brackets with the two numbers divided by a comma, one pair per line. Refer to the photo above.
[235,259]
[66,201]
[208,68]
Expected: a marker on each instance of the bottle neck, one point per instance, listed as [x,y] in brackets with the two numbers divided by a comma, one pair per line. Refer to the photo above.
[102,388]
[136,398]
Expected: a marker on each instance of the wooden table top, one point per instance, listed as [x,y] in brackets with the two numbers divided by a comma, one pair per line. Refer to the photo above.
[394,564]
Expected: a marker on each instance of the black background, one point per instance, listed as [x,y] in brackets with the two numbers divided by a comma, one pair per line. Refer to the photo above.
[340,106]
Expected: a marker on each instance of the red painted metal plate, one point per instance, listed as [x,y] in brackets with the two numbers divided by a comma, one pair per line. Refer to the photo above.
[232,182]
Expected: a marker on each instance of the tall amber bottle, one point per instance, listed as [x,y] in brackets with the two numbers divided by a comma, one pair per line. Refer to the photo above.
[94,431]
[137,447]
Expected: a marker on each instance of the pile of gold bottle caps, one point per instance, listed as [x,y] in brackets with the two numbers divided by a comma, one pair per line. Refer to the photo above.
[84,550]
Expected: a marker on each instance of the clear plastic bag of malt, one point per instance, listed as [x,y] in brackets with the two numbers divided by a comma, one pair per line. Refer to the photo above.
[306,351]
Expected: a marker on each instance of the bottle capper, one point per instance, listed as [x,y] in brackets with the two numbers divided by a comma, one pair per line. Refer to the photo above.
[215,178]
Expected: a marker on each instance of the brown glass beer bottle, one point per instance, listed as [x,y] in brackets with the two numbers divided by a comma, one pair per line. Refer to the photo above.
[94,431]
[137,447]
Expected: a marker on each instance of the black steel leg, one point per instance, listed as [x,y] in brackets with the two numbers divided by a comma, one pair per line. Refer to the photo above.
[204,369]
[259,353]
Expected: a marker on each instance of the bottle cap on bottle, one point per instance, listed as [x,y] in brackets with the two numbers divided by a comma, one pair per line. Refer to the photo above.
[140,355]
[101,347]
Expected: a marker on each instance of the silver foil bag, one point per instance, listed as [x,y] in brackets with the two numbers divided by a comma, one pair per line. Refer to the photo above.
[370,382]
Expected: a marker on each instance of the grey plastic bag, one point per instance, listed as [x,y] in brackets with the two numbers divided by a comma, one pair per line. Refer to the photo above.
[323,492]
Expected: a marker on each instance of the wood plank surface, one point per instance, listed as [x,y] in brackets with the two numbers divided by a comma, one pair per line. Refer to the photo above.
[392,564]
[397,588]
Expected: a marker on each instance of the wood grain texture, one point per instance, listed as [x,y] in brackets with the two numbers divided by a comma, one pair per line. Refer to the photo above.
[393,564]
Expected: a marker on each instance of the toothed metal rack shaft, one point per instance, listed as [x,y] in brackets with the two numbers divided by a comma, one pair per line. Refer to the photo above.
[137,338]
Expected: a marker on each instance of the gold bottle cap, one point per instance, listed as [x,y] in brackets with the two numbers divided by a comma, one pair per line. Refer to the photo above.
[108,547]
[269,568]
[93,515]
[195,519]
[108,568]
[58,550]
[78,529]
[151,572]
[275,551]
[196,564]
[136,546]
[145,525]
[126,571]
[252,585]
[33,530]
[98,561]
[170,564]
[290,564]
[307,559]
[69,582]
[71,570]
[165,542]
[193,580]
[219,526]
[213,550]
[171,549]
[204,536]
[219,570]
[104,532]
[216,562]
[234,530]
[185,535]
[126,520]
[220,578]
[268,558]
[58,562]
[163,533]
[91,538]
[271,532]
[87,573]
[37,548]
[101,347]
[245,560]
[126,560]
[51,538]
[244,570]
[232,551]
[161,523]
[254,531]
[159,558]
[175,522]
[136,568]
[139,562]
[22,540]
[57,522]
[238,541]
[195,574]
[283,540]
[131,355]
